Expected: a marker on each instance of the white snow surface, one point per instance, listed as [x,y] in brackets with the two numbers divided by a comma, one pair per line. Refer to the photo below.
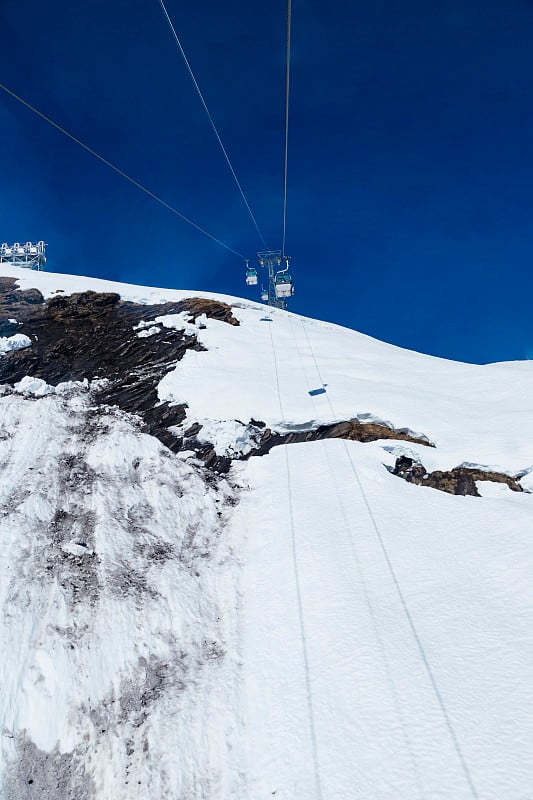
[313,627]
[16,342]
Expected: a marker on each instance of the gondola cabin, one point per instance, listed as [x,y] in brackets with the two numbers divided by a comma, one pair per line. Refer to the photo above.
[251,277]
[283,285]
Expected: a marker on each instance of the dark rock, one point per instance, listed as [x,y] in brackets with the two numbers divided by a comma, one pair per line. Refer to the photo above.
[91,335]
[458,481]
[351,429]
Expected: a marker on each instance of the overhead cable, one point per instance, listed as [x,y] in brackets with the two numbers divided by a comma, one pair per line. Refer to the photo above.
[210,118]
[287,91]
[119,171]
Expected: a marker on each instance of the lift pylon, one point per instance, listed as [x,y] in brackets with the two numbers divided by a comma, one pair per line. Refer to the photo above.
[279,281]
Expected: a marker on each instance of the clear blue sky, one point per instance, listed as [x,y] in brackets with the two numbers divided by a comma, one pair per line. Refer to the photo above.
[411,155]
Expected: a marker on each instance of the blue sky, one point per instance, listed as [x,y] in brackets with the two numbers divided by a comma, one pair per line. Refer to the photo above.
[410,201]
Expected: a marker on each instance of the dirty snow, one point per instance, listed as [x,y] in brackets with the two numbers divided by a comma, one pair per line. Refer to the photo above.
[116,597]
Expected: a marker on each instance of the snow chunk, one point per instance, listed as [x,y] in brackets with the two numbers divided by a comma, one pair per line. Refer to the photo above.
[526,481]
[229,437]
[16,342]
[76,549]
[179,322]
[33,386]
[67,387]
[148,332]
[36,387]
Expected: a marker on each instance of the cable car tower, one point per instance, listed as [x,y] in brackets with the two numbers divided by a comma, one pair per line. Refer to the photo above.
[279,286]
[29,255]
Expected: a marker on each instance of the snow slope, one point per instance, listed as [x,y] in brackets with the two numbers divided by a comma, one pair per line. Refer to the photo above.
[311,626]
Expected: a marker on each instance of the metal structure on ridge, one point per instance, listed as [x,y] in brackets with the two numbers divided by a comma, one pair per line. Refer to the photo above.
[30,255]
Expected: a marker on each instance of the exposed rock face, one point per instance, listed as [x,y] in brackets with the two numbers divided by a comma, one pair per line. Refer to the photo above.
[90,335]
[459,481]
[352,430]
[265,439]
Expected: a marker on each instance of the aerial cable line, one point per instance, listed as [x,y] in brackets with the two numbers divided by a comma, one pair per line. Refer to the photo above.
[119,171]
[287,92]
[210,118]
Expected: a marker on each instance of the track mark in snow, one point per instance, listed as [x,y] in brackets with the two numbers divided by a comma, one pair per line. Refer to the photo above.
[469,779]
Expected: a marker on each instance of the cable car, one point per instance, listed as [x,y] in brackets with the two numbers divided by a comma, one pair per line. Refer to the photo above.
[264,294]
[283,282]
[283,285]
[251,277]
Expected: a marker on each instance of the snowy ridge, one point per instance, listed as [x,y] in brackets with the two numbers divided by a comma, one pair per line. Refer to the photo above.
[309,626]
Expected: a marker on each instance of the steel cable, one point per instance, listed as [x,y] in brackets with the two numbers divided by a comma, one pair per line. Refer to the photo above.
[210,118]
[119,171]
[287,92]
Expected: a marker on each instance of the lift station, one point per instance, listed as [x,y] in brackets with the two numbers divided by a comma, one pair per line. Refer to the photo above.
[279,286]
[29,255]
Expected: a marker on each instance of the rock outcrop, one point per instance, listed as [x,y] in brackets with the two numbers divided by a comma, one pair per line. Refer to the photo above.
[458,481]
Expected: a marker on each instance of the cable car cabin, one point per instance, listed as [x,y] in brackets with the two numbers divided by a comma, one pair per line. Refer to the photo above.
[251,277]
[264,295]
[283,285]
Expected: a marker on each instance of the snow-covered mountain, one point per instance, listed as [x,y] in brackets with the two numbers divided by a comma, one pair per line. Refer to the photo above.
[247,555]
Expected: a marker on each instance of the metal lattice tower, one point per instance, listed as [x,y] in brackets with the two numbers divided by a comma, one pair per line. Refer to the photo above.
[272,260]
[29,255]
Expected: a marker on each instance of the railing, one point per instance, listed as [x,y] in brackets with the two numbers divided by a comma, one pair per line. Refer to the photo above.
[30,254]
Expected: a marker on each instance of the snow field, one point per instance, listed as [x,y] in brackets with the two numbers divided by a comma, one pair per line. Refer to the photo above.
[315,653]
